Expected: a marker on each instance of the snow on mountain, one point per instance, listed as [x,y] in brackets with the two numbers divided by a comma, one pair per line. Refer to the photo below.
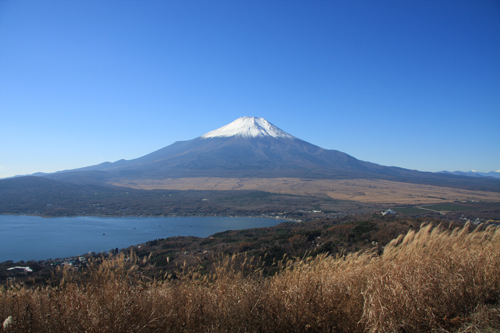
[248,127]
[251,147]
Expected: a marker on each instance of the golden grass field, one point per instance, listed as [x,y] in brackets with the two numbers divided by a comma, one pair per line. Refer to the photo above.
[429,280]
[362,190]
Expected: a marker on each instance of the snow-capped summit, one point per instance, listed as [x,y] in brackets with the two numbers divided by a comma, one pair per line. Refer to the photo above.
[248,127]
[251,147]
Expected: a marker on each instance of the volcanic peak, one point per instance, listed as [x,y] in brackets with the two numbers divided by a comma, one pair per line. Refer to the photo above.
[248,127]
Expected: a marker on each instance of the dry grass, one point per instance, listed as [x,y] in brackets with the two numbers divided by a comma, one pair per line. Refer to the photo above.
[362,190]
[435,279]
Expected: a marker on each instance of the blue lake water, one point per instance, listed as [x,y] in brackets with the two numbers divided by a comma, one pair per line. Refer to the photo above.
[36,238]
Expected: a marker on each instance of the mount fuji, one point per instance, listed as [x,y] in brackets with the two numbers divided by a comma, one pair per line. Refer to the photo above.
[252,147]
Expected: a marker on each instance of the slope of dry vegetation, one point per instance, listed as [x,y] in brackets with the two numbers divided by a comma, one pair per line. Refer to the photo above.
[360,190]
[433,279]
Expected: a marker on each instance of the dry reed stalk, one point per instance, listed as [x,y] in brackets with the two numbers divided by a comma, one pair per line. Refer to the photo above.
[430,277]
[434,279]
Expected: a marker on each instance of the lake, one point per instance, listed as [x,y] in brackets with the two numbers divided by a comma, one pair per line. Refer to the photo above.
[35,238]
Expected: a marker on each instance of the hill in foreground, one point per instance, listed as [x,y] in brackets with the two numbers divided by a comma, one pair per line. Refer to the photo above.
[432,279]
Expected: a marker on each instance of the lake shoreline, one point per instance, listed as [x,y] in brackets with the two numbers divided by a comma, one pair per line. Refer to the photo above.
[277,217]
[64,237]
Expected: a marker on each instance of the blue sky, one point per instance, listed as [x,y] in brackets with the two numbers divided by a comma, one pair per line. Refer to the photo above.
[414,84]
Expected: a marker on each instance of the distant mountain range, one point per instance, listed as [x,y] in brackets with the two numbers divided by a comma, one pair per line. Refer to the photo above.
[251,147]
[472,173]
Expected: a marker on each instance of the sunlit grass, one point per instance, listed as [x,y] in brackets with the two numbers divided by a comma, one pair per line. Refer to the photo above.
[434,279]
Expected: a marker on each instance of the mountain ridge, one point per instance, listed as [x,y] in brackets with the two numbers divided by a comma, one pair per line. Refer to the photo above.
[473,173]
[251,147]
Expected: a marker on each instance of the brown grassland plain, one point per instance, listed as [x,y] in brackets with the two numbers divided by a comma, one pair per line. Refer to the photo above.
[432,279]
[361,190]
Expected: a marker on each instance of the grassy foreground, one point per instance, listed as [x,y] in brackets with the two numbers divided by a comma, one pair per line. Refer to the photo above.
[435,279]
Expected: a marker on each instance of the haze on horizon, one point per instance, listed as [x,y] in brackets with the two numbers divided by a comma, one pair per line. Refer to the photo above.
[413,84]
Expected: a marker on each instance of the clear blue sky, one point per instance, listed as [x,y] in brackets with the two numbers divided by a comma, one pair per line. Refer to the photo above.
[414,84]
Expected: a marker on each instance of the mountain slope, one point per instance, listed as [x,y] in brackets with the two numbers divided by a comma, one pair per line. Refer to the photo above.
[252,147]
